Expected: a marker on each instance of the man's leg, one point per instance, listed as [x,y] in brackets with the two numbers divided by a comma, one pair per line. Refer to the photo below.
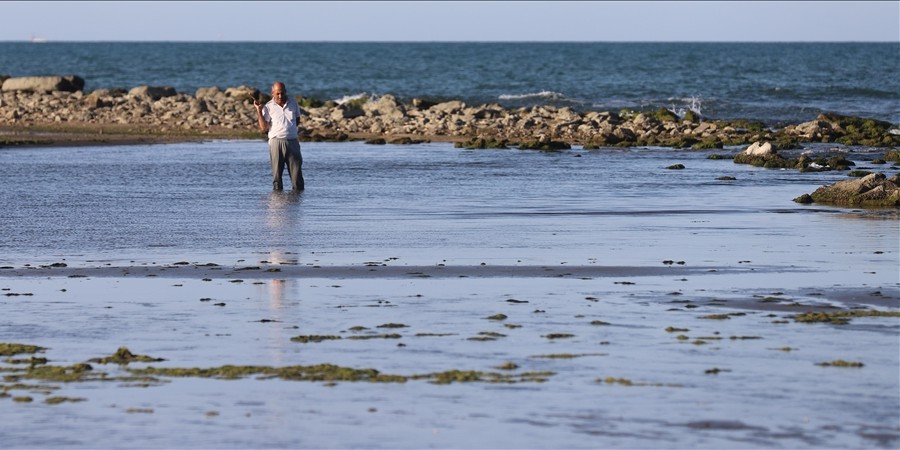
[276,155]
[295,164]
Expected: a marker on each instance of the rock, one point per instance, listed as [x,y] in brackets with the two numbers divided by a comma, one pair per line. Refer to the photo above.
[873,191]
[420,104]
[154,92]
[386,106]
[764,155]
[209,92]
[451,107]
[480,143]
[70,83]
[342,112]
[242,93]
[804,199]
[758,149]
[198,106]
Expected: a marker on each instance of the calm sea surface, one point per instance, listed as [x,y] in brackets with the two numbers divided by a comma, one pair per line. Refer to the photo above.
[773,82]
[621,205]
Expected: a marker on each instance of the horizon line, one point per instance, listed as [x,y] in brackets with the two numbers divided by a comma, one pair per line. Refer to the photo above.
[472,41]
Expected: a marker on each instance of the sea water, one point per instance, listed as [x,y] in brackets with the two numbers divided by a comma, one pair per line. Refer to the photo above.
[427,201]
[233,279]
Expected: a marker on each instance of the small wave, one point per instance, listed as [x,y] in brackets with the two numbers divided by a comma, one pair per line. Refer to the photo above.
[692,103]
[543,95]
[350,98]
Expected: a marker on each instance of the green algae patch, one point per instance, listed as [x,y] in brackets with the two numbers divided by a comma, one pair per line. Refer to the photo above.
[32,361]
[784,349]
[716,317]
[559,336]
[320,372]
[491,334]
[676,330]
[469,376]
[58,400]
[333,373]
[64,374]
[840,363]
[123,356]
[614,380]
[5,388]
[628,382]
[376,336]
[841,317]
[305,339]
[497,317]
[10,349]
[566,355]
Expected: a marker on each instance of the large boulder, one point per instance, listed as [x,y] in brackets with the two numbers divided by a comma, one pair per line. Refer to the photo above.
[71,83]
[873,191]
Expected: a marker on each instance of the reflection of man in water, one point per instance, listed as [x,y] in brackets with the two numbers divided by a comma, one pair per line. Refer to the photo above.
[280,117]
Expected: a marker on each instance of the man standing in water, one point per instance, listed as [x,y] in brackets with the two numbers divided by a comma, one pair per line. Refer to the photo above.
[280,117]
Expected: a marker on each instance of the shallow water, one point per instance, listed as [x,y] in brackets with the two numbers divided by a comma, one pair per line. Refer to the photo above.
[425,202]
[747,249]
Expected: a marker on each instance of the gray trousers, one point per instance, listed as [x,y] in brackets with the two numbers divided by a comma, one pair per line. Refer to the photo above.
[286,152]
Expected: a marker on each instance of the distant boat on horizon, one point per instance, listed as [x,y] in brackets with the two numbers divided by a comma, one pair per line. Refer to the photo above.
[37,39]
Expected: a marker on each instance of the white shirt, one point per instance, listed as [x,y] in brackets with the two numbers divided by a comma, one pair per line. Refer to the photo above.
[282,120]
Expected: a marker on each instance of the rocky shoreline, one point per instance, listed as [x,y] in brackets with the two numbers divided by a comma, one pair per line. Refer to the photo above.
[55,110]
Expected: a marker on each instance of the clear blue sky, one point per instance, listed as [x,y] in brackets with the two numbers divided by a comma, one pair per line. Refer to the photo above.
[451,21]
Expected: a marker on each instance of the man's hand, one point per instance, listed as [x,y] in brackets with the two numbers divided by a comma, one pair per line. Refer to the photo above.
[260,120]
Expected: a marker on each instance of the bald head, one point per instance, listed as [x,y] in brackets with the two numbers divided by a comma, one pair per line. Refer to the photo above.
[279,93]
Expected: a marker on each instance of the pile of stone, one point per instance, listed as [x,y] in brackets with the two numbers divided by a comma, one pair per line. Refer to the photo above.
[33,101]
